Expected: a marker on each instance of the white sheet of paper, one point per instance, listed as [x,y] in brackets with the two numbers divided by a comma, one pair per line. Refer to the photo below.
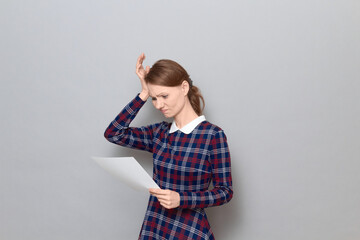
[129,171]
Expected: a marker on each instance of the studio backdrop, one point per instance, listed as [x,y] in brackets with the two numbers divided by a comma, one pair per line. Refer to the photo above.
[281,78]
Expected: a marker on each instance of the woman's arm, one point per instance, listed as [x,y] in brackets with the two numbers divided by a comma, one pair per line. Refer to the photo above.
[221,173]
[119,132]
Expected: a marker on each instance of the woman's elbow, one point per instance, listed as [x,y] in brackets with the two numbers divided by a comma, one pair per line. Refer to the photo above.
[229,195]
[108,136]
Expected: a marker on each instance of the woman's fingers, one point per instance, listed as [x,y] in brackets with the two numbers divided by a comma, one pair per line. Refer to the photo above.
[167,206]
[140,59]
[158,191]
[140,71]
[139,62]
[167,198]
[163,197]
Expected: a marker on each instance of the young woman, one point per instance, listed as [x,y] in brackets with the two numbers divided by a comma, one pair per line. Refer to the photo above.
[187,153]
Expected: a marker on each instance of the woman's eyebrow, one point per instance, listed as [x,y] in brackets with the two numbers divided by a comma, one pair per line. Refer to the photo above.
[162,93]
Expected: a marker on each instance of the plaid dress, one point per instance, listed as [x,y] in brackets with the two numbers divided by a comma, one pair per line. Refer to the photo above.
[185,163]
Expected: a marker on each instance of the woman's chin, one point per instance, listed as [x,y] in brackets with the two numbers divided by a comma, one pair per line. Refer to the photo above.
[167,115]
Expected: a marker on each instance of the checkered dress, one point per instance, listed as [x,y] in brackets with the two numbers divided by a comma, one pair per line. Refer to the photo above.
[185,163]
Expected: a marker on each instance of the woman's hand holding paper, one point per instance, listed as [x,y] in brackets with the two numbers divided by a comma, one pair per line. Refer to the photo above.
[168,199]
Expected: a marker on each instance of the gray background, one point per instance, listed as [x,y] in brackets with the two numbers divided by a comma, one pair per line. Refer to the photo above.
[280,77]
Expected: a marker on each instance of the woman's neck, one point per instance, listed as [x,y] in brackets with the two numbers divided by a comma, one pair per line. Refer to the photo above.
[185,116]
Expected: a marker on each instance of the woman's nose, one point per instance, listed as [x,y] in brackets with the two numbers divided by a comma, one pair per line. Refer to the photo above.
[159,104]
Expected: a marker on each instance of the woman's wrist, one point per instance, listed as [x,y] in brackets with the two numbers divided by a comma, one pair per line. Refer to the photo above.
[144,95]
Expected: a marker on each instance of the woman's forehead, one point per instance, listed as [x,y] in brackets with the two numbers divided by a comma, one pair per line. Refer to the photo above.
[155,90]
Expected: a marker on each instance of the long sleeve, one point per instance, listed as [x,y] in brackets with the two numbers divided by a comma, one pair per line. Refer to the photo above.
[221,177]
[120,133]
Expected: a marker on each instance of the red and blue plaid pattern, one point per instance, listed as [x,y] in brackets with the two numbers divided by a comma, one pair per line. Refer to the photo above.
[185,163]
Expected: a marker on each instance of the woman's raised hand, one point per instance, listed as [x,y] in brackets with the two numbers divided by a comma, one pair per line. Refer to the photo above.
[141,72]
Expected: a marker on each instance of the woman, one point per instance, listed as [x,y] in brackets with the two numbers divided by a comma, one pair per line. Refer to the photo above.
[187,153]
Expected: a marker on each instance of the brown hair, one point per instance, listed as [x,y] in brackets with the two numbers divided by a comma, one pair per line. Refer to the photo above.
[169,73]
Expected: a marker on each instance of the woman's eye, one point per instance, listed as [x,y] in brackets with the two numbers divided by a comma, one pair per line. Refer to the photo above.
[153,99]
[165,96]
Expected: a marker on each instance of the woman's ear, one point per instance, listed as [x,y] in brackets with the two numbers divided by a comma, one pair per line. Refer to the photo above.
[185,87]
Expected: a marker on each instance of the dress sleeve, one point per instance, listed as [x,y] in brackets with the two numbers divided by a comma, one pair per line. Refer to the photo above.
[120,133]
[221,177]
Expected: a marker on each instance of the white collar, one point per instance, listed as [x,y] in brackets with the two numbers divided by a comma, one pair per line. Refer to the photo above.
[188,128]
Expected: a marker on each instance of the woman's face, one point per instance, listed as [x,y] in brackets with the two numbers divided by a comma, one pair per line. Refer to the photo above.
[169,100]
